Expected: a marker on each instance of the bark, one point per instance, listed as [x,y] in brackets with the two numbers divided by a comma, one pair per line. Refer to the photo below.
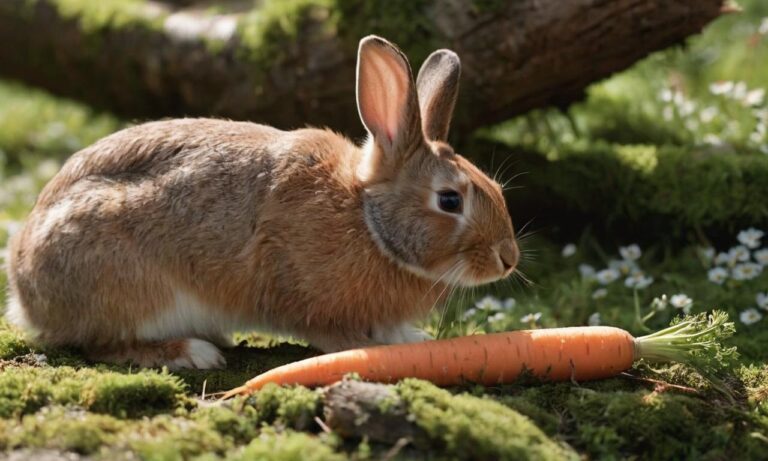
[517,54]
[358,409]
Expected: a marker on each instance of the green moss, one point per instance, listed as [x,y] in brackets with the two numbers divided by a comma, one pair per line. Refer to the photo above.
[12,345]
[287,446]
[294,406]
[132,395]
[25,389]
[243,363]
[612,424]
[104,15]
[468,427]
[406,23]
[264,30]
[67,430]
[241,426]
[36,124]
[165,438]
[642,192]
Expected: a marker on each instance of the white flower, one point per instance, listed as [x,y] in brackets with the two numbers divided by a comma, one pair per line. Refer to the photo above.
[762,300]
[630,252]
[754,97]
[531,318]
[713,140]
[497,317]
[594,319]
[509,304]
[624,266]
[488,303]
[721,87]
[587,271]
[708,253]
[717,275]
[469,313]
[668,113]
[708,114]
[750,316]
[761,256]
[638,281]
[606,276]
[569,250]
[600,293]
[746,271]
[665,95]
[659,304]
[763,29]
[723,258]
[739,253]
[681,301]
[739,91]
[750,238]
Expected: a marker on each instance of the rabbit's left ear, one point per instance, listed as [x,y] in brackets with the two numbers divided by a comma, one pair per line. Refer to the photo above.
[438,87]
[386,98]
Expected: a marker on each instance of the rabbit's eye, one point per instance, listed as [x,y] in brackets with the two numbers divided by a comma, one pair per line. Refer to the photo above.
[449,201]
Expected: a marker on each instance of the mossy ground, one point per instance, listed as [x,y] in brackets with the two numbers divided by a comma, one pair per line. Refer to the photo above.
[662,177]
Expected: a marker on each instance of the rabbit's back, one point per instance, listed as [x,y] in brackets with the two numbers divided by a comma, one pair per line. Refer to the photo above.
[161,212]
[154,148]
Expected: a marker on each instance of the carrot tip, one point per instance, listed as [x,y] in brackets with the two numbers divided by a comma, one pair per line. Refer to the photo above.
[242,390]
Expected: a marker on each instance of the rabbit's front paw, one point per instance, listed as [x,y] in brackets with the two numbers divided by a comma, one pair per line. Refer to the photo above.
[200,355]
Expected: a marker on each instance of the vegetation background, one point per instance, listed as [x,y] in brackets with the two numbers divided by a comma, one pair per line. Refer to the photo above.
[645,200]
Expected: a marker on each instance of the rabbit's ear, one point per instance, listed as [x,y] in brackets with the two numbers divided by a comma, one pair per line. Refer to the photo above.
[438,87]
[386,97]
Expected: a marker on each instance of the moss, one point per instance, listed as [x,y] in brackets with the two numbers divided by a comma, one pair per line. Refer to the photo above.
[38,125]
[243,363]
[468,427]
[407,23]
[70,430]
[132,395]
[241,426]
[641,192]
[293,406]
[12,345]
[167,438]
[287,446]
[104,15]
[612,424]
[655,426]
[264,31]
[25,389]
[268,31]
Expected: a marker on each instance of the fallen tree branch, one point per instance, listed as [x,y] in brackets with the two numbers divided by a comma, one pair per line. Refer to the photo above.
[291,63]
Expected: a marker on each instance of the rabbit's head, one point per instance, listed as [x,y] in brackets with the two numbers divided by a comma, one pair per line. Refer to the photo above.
[427,207]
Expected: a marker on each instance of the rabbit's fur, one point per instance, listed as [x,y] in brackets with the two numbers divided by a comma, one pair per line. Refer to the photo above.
[156,243]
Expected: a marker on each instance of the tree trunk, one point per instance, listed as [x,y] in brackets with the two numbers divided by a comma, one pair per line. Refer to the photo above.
[293,63]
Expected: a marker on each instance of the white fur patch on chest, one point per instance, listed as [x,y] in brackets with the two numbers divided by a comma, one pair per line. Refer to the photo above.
[189,317]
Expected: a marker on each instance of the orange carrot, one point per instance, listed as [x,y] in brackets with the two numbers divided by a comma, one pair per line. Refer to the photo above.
[558,354]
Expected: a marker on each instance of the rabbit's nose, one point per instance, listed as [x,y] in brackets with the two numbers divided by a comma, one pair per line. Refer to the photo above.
[509,254]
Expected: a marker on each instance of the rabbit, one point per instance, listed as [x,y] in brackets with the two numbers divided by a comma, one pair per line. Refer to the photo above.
[156,243]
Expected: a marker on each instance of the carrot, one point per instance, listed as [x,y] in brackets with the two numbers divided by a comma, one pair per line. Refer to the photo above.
[557,354]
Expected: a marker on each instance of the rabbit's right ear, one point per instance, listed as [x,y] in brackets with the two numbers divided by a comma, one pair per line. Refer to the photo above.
[387,100]
[438,87]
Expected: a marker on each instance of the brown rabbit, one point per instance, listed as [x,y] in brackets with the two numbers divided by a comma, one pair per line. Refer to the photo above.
[156,243]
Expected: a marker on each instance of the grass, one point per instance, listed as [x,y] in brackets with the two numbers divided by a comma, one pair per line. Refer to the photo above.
[57,400]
